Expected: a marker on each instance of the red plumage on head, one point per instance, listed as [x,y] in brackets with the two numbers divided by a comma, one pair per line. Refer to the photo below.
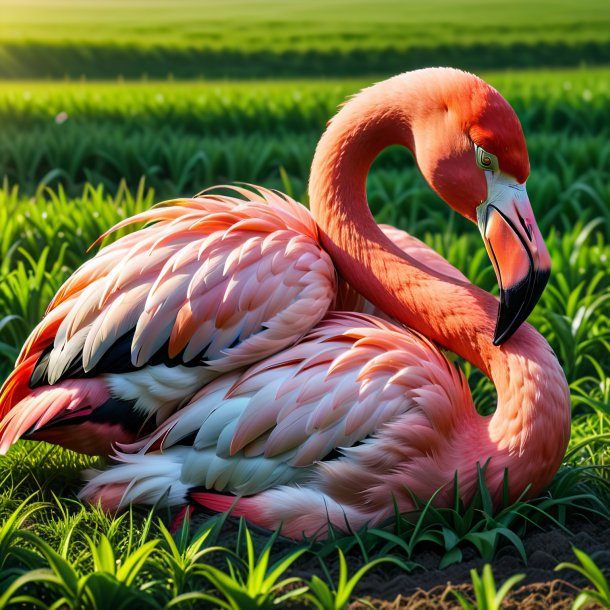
[497,129]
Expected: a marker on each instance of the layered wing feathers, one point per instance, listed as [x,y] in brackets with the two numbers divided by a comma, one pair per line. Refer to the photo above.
[211,284]
[347,380]
[213,281]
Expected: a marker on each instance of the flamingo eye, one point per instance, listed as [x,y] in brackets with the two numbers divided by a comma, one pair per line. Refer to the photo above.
[486,160]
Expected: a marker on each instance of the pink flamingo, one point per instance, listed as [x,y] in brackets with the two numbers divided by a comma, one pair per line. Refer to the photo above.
[360,413]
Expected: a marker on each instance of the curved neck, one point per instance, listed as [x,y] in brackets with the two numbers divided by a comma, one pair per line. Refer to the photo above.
[457,315]
[379,117]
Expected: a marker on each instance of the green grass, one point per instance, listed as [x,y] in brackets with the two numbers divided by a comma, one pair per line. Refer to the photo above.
[55,550]
[182,137]
[190,38]
[588,568]
[317,23]
[487,596]
[555,99]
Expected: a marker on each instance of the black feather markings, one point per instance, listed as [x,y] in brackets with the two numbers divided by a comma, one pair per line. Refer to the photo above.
[114,412]
[115,360]
[39,375]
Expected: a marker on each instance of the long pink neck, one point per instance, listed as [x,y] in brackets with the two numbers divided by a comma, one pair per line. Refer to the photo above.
[531,387]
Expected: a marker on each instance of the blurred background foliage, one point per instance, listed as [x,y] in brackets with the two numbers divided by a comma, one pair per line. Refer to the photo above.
[240,39]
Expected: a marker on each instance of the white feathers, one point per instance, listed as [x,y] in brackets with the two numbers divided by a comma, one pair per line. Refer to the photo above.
[141,479]
[159,390]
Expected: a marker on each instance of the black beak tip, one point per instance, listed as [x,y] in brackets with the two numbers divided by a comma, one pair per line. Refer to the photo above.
[516,304]
[498,340]
[504,329]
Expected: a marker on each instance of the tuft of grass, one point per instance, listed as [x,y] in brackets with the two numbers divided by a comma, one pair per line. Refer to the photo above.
[487,596]
[337,596]
[253,584]
[113,581]
[181,556]
[590,570]
[575,492]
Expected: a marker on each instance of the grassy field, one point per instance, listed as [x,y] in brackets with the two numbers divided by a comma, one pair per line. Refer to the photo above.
[289,25]
[184,136]
[191,38]
[574,99]
[74,156]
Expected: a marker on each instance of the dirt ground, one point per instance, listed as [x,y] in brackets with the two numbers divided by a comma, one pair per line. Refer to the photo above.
[542,588]
[387,587]
[553,595]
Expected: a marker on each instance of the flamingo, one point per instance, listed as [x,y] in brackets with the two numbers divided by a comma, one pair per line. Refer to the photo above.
[202,351]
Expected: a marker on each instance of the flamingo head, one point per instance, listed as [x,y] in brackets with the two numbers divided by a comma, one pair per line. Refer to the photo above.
[471,149]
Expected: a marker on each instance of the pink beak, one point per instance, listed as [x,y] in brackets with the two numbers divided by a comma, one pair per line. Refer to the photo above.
[517,252]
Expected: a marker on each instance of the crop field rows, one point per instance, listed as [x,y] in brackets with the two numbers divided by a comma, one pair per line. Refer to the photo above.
[76,158]
[207,38]
[182,136]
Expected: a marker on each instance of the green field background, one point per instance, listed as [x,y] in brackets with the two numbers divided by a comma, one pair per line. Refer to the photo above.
[275,38]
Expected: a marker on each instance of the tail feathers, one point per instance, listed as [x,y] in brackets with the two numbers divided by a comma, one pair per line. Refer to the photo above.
[16,388]
[140,479]
[54,413]
[221,503]
[298,511]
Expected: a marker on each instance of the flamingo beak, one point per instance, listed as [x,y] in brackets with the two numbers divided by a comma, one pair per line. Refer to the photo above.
[517,252]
